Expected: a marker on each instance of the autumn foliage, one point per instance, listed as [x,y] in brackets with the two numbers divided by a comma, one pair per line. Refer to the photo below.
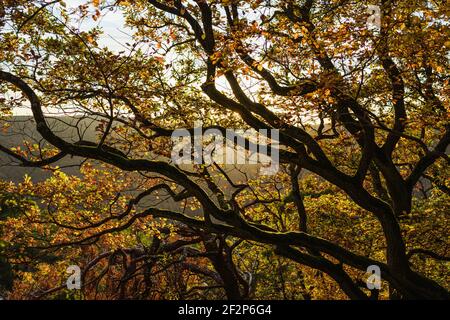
[363,115]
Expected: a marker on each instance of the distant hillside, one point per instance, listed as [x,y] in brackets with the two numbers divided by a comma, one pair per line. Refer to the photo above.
[22,128]
[71,129]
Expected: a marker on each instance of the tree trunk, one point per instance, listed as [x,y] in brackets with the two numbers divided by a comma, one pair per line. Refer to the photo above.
[411,285]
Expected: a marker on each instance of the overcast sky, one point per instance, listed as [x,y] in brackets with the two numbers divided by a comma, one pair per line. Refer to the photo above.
[112,24]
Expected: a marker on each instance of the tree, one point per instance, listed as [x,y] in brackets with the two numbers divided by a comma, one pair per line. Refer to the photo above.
[364,111]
